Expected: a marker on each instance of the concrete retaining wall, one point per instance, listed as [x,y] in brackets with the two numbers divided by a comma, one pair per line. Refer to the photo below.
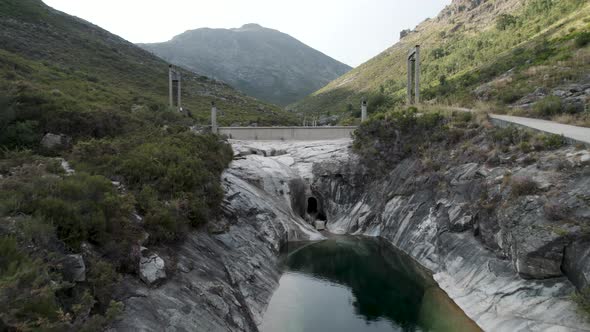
[286,133]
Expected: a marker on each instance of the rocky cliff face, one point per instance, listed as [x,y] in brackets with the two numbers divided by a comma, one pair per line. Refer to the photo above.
[261,62]
[504,265]
[222,280]
[511,266]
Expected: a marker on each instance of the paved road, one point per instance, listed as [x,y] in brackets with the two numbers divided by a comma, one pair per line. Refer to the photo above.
[579,134]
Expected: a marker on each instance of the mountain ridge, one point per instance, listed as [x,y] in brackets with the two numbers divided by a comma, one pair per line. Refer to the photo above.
[262,62]
[467,48]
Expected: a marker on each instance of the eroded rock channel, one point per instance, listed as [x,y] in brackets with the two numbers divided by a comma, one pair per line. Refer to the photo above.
[355,284]
[502,275]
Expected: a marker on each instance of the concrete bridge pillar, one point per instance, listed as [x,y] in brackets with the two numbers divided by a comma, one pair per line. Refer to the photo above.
[413,88]
[417,75]
[409,86]
[179,84]
[214,127]
[364,110]
[174,79]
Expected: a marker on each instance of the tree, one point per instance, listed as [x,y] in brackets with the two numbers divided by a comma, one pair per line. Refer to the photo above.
[505,21]
[439,53]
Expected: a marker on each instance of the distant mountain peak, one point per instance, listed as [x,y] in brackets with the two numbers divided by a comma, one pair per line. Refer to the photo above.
[259,61]
[251,26]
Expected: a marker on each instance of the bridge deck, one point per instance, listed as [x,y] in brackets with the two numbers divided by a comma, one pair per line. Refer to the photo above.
[287,133]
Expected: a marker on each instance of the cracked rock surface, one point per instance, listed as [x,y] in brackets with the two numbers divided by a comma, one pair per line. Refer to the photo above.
[510,267]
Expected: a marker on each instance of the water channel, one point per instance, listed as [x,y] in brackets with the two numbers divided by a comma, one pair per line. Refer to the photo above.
[352,284]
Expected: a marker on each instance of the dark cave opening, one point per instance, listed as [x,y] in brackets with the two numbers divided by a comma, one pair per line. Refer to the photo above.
[312,206]
[314,209]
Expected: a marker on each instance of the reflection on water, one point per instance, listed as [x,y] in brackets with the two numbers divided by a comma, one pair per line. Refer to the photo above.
[356,284]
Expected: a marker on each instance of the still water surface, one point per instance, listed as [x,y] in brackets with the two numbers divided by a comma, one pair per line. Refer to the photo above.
[349,284]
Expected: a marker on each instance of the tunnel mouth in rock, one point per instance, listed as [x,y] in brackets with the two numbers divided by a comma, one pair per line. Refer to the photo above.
[312,206]
[315,214]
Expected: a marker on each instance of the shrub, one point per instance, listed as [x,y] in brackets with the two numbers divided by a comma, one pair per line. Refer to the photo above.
[549,142]
[27,299]
[582,39]
[505,21]
[34,297]
[174,175]
[81,208]
[582,299]
[548,106]
[439,53]
[525,147]
[509,135]
[510,96]
[86,208]
[24,134]
[386,138]
[522,186]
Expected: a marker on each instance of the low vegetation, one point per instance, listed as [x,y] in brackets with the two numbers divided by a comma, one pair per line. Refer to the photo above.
[583,300]
[490,51]
[174,175]
[523,186]
[390,136]
[172,180]
[142,176]
[44,215]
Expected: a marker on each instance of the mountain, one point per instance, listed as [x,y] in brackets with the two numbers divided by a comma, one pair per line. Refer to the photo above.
[261,62]
[62,74]
[493,51]
[87,141]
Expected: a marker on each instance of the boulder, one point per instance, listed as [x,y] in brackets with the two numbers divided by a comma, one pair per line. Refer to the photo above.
[576,263]
[320,225]
[530,239]
[152,268]
[56,142]
[73,268]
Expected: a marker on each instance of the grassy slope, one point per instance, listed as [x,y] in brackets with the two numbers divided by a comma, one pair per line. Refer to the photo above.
[464,45]
[76,66]
[63,75]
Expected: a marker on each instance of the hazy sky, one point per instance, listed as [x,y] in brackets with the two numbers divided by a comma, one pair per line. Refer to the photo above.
[352,31]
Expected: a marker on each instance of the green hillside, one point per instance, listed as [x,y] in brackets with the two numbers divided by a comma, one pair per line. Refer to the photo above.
[59,71]
[262,62]
[104,102]
[505,48]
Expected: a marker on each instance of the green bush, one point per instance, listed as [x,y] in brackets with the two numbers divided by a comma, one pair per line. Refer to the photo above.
[505,21]
[548,106]
[509,135]
[34,297]
[509,96]
[582,39]
[174,176]
[27,298]
[86,208]
[550,141]
[386,138]
[582,299]
[522,186]
[81,208]
[439,53]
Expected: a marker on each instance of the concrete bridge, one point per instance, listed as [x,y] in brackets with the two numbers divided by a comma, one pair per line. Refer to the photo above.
[286,133]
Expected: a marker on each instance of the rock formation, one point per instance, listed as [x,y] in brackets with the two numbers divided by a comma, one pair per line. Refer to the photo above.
[500,265]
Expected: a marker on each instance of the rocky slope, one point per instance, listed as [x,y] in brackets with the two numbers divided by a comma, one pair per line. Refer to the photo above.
[261,62]
[52,63]
[503,266]
[492,51]
[223,281]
